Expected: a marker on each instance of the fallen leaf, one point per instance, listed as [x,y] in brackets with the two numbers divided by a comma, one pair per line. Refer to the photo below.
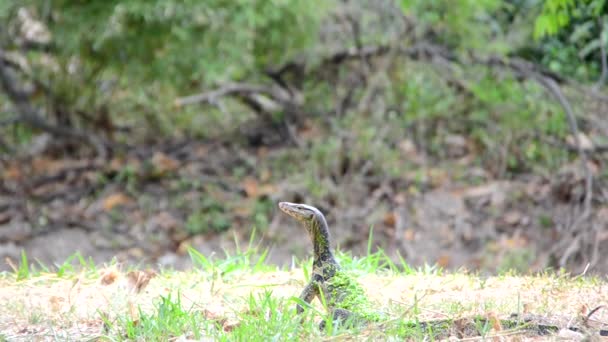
[390,218]
[136,252]
[138,280]
[109,277]
[512,218]
[229,325]
[408,148]
[55,303]
[262,152]
[166,221]
[443,260]
[115,200]
[409,234]
[250,185]
[45,165]
[309,130]
[494,321]
[182,249]
[253,188]
[265,175]
[267,189]
[214,312]
[12,172]
[400,198]
[134,313]
[583,140]
[163,163]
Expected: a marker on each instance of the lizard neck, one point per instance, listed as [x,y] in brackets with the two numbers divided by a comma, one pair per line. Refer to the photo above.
[319,234]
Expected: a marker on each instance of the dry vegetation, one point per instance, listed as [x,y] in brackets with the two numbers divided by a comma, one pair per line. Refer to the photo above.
[95,304]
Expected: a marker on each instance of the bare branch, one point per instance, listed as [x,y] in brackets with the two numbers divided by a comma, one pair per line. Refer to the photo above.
[30,116]
[228,89]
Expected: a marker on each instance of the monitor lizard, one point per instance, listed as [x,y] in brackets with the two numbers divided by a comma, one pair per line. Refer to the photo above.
[343,297]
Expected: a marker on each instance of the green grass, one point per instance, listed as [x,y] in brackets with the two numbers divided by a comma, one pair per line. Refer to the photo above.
[240,297]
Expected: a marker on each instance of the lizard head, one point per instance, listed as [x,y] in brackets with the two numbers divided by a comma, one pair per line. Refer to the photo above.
[304,213]
[316,226]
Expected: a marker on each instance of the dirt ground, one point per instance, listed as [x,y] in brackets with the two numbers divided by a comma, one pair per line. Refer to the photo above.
[142,209]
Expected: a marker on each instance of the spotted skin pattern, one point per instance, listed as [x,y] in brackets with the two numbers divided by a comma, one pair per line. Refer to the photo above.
[344,298]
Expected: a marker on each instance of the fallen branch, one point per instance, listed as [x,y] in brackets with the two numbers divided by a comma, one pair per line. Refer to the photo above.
[228,89]
[30,116]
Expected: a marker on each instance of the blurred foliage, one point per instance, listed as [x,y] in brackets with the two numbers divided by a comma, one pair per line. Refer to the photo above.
[572,32]
[410,121]
[132,58]
[137,56]
[185,42]
[467,25]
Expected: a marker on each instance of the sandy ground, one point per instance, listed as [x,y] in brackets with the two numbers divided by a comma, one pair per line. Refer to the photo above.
[47,306]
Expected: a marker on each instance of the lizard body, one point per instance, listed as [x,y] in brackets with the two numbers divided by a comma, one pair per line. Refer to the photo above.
[343,297]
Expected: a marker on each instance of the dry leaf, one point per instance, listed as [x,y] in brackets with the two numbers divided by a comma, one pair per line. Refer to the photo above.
[115,200]
[309,130]
[267,189]
[138,280]
[55,303]
[409,234]
[265,175]
[215,312]
[250,185]
[182,249]
[45,165]
[134,313]
[254,189]
[390,218]
[443,260]
[512,218]
[12,172]
[583,139]
[136,252]
[166,221]
[109,277]
[163,163]
[229,325]
[495,321]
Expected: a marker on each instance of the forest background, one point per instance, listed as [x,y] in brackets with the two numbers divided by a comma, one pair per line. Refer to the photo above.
[469,133]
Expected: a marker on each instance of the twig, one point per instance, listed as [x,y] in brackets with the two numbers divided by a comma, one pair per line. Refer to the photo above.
[554,89]
[595,310]
[228,89]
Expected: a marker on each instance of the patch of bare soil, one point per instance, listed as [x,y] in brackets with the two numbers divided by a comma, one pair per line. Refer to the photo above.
[149,205]
[72,308]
